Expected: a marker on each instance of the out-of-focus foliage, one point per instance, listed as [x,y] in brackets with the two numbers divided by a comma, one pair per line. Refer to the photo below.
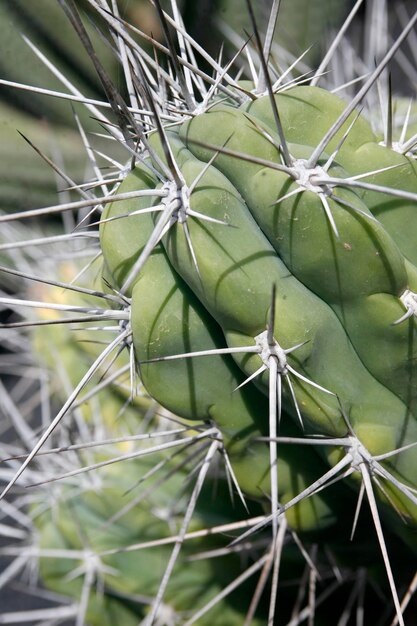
[27,182]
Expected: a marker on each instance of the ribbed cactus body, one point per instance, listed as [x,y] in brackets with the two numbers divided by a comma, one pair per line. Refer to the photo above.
[399,171]
[360,273]
[168,319]
[336,272]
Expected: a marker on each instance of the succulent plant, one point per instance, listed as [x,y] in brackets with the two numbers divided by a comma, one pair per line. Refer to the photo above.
[116,514]
[255,262]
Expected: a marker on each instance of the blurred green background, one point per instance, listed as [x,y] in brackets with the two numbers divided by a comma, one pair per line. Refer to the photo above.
[26,181]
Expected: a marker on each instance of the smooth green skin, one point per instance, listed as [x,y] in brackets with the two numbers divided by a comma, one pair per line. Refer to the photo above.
[307,113]
[118,238]
[373,411]
[397,215]
[363,261]
[365,400]
[346,272]
[167,319]
[297,308]
[411,270]
[390,349]
[153,292]
[360,262]
[160,329]
[237,271]
[173,322]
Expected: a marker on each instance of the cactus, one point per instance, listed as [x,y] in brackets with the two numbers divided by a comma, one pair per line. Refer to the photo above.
[106,520]
[258,269]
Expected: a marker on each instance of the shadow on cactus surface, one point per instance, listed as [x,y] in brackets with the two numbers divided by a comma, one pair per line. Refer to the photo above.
[209,404]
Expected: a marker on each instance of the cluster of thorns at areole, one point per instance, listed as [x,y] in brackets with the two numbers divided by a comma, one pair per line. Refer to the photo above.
[260,258]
